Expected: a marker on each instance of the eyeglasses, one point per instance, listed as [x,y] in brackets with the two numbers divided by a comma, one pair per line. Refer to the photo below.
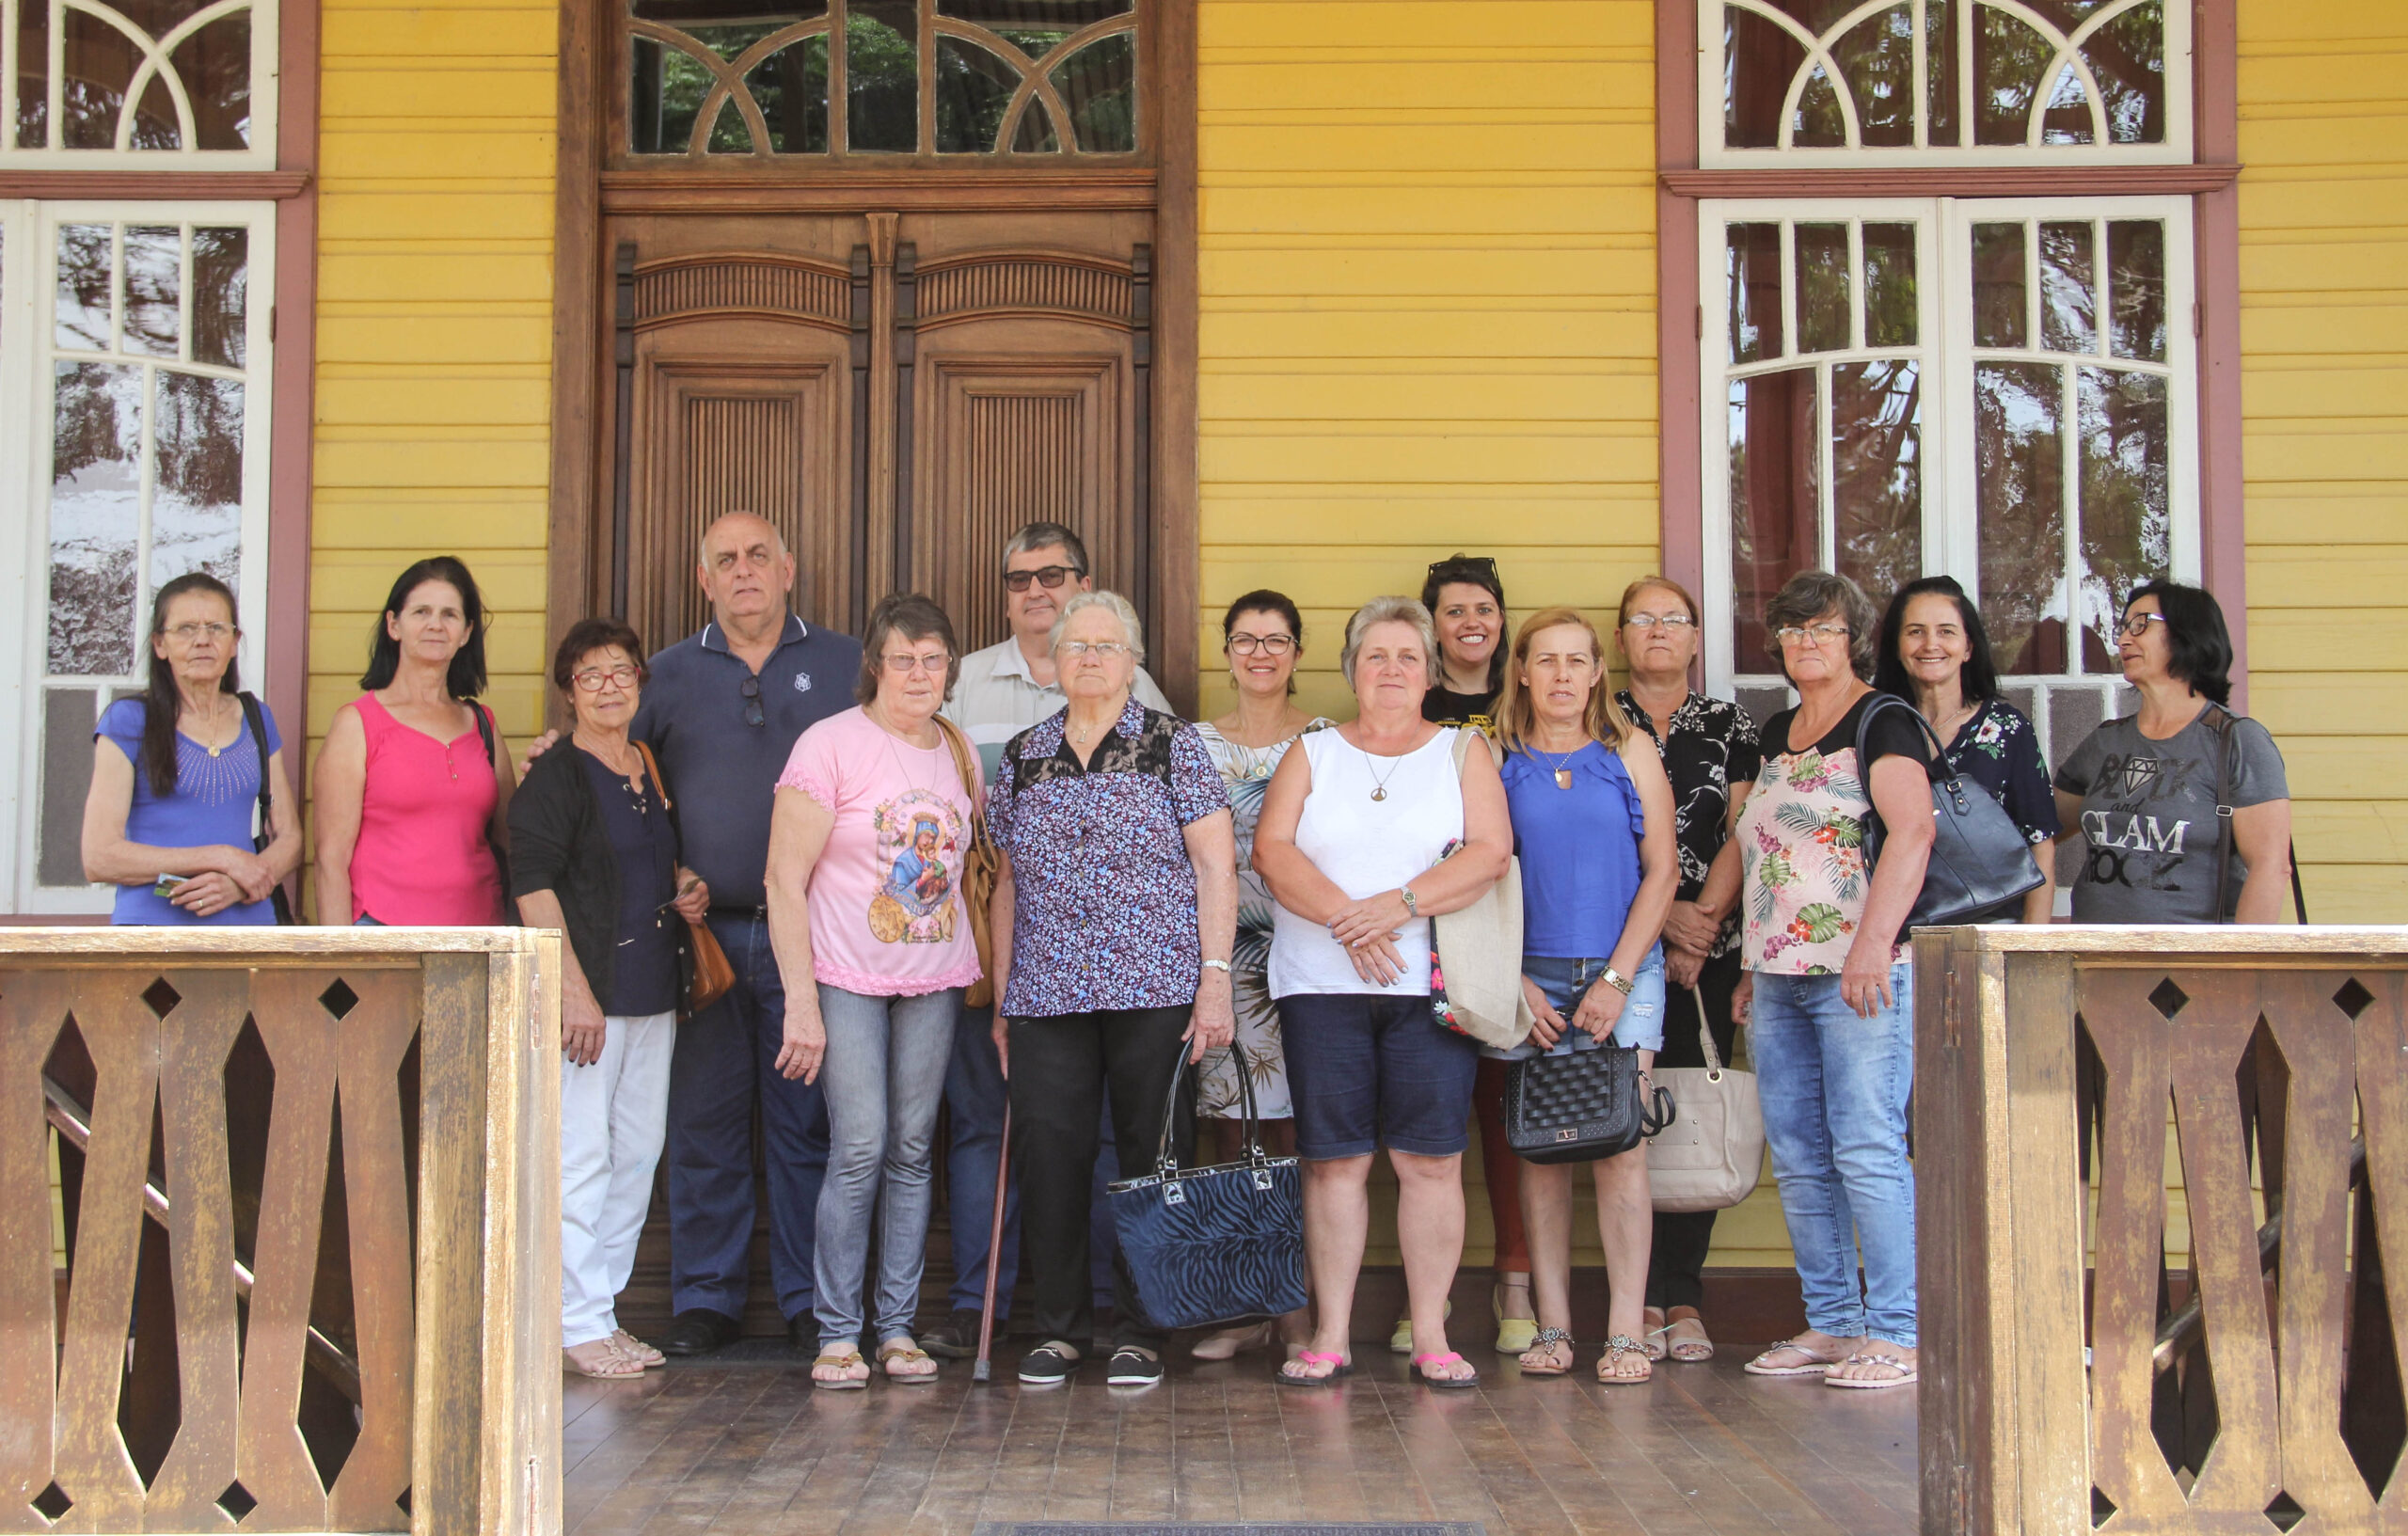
[1048,576]
[592,679]
[753,713]
[904,666]
[1674,623]
[1816,634]
[184,634]
[1267,644]
[2136,625]
[1104,650]
[1471,568]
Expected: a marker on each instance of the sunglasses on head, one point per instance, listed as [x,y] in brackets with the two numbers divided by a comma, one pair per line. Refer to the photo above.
[1464,566]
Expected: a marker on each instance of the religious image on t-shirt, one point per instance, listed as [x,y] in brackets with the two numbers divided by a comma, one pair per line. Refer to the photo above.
[919,843]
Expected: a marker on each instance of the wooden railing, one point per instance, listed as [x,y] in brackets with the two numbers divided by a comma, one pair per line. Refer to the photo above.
[311,1180]
[2254,1384]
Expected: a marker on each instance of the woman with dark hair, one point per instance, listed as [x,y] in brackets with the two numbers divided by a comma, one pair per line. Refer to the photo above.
[1935,654]
[1263,637]
[413,783]
[874,820]
[168,820]
[594,853]
[2152,791]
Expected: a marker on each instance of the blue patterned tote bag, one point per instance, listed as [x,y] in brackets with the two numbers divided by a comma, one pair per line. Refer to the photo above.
[1215,1245]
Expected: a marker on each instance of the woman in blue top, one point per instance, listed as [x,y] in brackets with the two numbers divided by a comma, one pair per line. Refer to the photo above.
[1592,821]
[168,818]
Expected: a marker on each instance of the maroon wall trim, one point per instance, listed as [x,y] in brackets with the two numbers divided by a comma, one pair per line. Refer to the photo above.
[1679,469]
[2224,554]
[291,409]
[1944,182]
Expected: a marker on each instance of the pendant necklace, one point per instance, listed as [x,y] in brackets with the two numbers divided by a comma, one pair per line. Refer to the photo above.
[1562,773]
[1380,782]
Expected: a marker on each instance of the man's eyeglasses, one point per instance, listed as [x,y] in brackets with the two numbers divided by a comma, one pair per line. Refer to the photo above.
[1267,644]
[1816,634]
[753,713]
[592,679]
[1048,576]
[1674,623]
[2136,625]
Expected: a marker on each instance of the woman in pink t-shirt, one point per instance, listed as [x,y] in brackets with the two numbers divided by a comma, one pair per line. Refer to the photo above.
[412,787]
[873,823]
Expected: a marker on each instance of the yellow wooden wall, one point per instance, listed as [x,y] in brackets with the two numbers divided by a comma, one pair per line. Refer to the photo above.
[2324,329]
[434,324]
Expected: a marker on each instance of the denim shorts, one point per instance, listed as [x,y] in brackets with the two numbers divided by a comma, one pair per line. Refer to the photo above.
[1369,1070]
[1564,982]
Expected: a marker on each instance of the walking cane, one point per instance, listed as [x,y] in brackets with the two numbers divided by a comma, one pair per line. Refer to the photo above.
[994,1250]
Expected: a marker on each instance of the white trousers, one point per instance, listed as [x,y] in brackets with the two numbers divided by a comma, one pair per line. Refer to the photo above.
[613,1116]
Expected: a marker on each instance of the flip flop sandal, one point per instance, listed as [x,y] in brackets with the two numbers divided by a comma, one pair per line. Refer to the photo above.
[1546,1338]
[1616,1348]
[904,1352]
[1449,1383]
[844,1362]
[1339,1366]
[1907,1375]
[1812,1367]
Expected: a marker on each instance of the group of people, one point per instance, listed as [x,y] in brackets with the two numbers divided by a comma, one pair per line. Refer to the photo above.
[1252,896]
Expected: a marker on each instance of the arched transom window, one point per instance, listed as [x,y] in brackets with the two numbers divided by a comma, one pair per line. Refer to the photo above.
[171,84]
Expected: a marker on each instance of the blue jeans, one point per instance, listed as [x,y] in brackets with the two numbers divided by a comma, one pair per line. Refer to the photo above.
[883,1077]
[724,1058]
[1835,1090]
[1564,982]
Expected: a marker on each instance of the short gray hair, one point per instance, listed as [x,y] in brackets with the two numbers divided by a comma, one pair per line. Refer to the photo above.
[1046,536]
[1112,603]
[1809,595]
[1388,611]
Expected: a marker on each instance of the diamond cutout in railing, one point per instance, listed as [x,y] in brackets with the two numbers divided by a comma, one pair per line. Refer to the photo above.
[2285,1512]
[237,1501]
[162,997]
[2353,999]
[339,999]
[2102,1508]
[2167,998]
[53,1503]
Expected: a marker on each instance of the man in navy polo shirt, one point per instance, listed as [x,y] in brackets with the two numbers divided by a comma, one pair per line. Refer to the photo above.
[721,710]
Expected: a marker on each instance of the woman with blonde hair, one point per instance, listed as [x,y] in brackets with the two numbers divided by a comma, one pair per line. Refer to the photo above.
[1591,811]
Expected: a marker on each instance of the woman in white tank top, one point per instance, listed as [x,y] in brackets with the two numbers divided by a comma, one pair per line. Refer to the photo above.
[1350,844]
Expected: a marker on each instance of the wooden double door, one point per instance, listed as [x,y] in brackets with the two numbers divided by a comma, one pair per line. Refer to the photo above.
[897,392]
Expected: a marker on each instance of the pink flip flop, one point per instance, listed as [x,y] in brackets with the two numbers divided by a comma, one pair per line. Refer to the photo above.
[1338,1366]
[1455,1384]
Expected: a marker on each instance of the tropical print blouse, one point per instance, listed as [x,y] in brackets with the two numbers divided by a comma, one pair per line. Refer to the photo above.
[1712,745]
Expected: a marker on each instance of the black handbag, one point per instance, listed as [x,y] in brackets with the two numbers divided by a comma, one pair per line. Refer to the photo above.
[1214,1245]
[1981,865]
[1581,1107]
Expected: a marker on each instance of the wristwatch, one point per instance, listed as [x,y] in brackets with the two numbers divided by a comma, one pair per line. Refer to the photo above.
[1222,966]
[1410,904]
[1617,981]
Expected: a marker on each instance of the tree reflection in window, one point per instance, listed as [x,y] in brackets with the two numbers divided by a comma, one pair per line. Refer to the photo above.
[155,75]
[1004,77]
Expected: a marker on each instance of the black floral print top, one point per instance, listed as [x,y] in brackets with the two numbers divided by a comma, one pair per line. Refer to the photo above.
[1713,746]
[1104,913]
[1998,749]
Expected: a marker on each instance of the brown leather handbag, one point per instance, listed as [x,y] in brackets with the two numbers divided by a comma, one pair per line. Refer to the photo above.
[707,977]
[980,864]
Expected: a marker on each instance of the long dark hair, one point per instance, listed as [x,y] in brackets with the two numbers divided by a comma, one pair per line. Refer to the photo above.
[162,701]
[1472,571]
[466,677]
[1977,682]
[2199,647]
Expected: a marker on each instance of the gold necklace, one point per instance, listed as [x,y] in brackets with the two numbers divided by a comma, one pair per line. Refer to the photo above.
[1562,773]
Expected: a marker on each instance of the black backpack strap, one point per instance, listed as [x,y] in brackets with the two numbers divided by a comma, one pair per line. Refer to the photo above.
[2220,723]
[484,729]
[256,721]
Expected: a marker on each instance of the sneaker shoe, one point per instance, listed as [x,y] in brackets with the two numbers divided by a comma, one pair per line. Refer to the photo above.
[956,1337]
[1132,1366]
[1050,1364]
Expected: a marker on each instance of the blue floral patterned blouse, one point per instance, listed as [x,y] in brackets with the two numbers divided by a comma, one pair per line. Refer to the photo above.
[1103,912]
[1998,749]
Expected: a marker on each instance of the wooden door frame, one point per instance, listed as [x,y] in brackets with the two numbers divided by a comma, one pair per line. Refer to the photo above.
[583,291]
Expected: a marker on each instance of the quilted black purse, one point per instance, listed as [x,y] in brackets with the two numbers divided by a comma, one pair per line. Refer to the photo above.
[1218,1244]
[1581,1107]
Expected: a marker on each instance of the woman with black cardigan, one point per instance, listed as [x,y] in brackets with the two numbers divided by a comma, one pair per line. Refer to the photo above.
[593,849]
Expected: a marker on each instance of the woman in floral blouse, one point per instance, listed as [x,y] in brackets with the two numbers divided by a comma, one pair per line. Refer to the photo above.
[1829,985]
[1935,653]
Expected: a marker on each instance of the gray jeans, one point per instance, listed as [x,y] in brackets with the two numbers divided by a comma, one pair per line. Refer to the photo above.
[883,1078]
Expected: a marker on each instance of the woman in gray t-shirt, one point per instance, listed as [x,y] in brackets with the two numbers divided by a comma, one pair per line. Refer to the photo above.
[2146,789]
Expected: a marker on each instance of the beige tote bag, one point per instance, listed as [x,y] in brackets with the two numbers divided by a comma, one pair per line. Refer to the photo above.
[1479,950]
[1712,1154]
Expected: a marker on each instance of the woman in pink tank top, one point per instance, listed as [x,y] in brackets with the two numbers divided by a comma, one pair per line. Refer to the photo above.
[412,787]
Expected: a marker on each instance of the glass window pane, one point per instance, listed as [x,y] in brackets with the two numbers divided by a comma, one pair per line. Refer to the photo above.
[220,285]
[1998,303]
[2019,479]
[1940,73]
[82,320]
[790,87]
[728,134]
[667,88]
[973,88]
[154,119]
[95,517]
[729,42]
[1822,303]
[32,76]
[197,499]
[153,290]
[1775,501]
[1035,135]
[214,65]
[1890,316]
[2136,280]
[882,76]
[1877,58]
[1820,124]
[2069,288]
[1060,15]
[1751,278]
[2127,521]
[2008,59]
[69,715]
[2127,54]
[2066,118]
[1098,87]
[1760,58]
[1876,474]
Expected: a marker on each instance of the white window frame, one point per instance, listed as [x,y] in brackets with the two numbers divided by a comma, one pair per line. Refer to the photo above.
[157,59]
[1944,301]
[28,284]
[1713,65]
